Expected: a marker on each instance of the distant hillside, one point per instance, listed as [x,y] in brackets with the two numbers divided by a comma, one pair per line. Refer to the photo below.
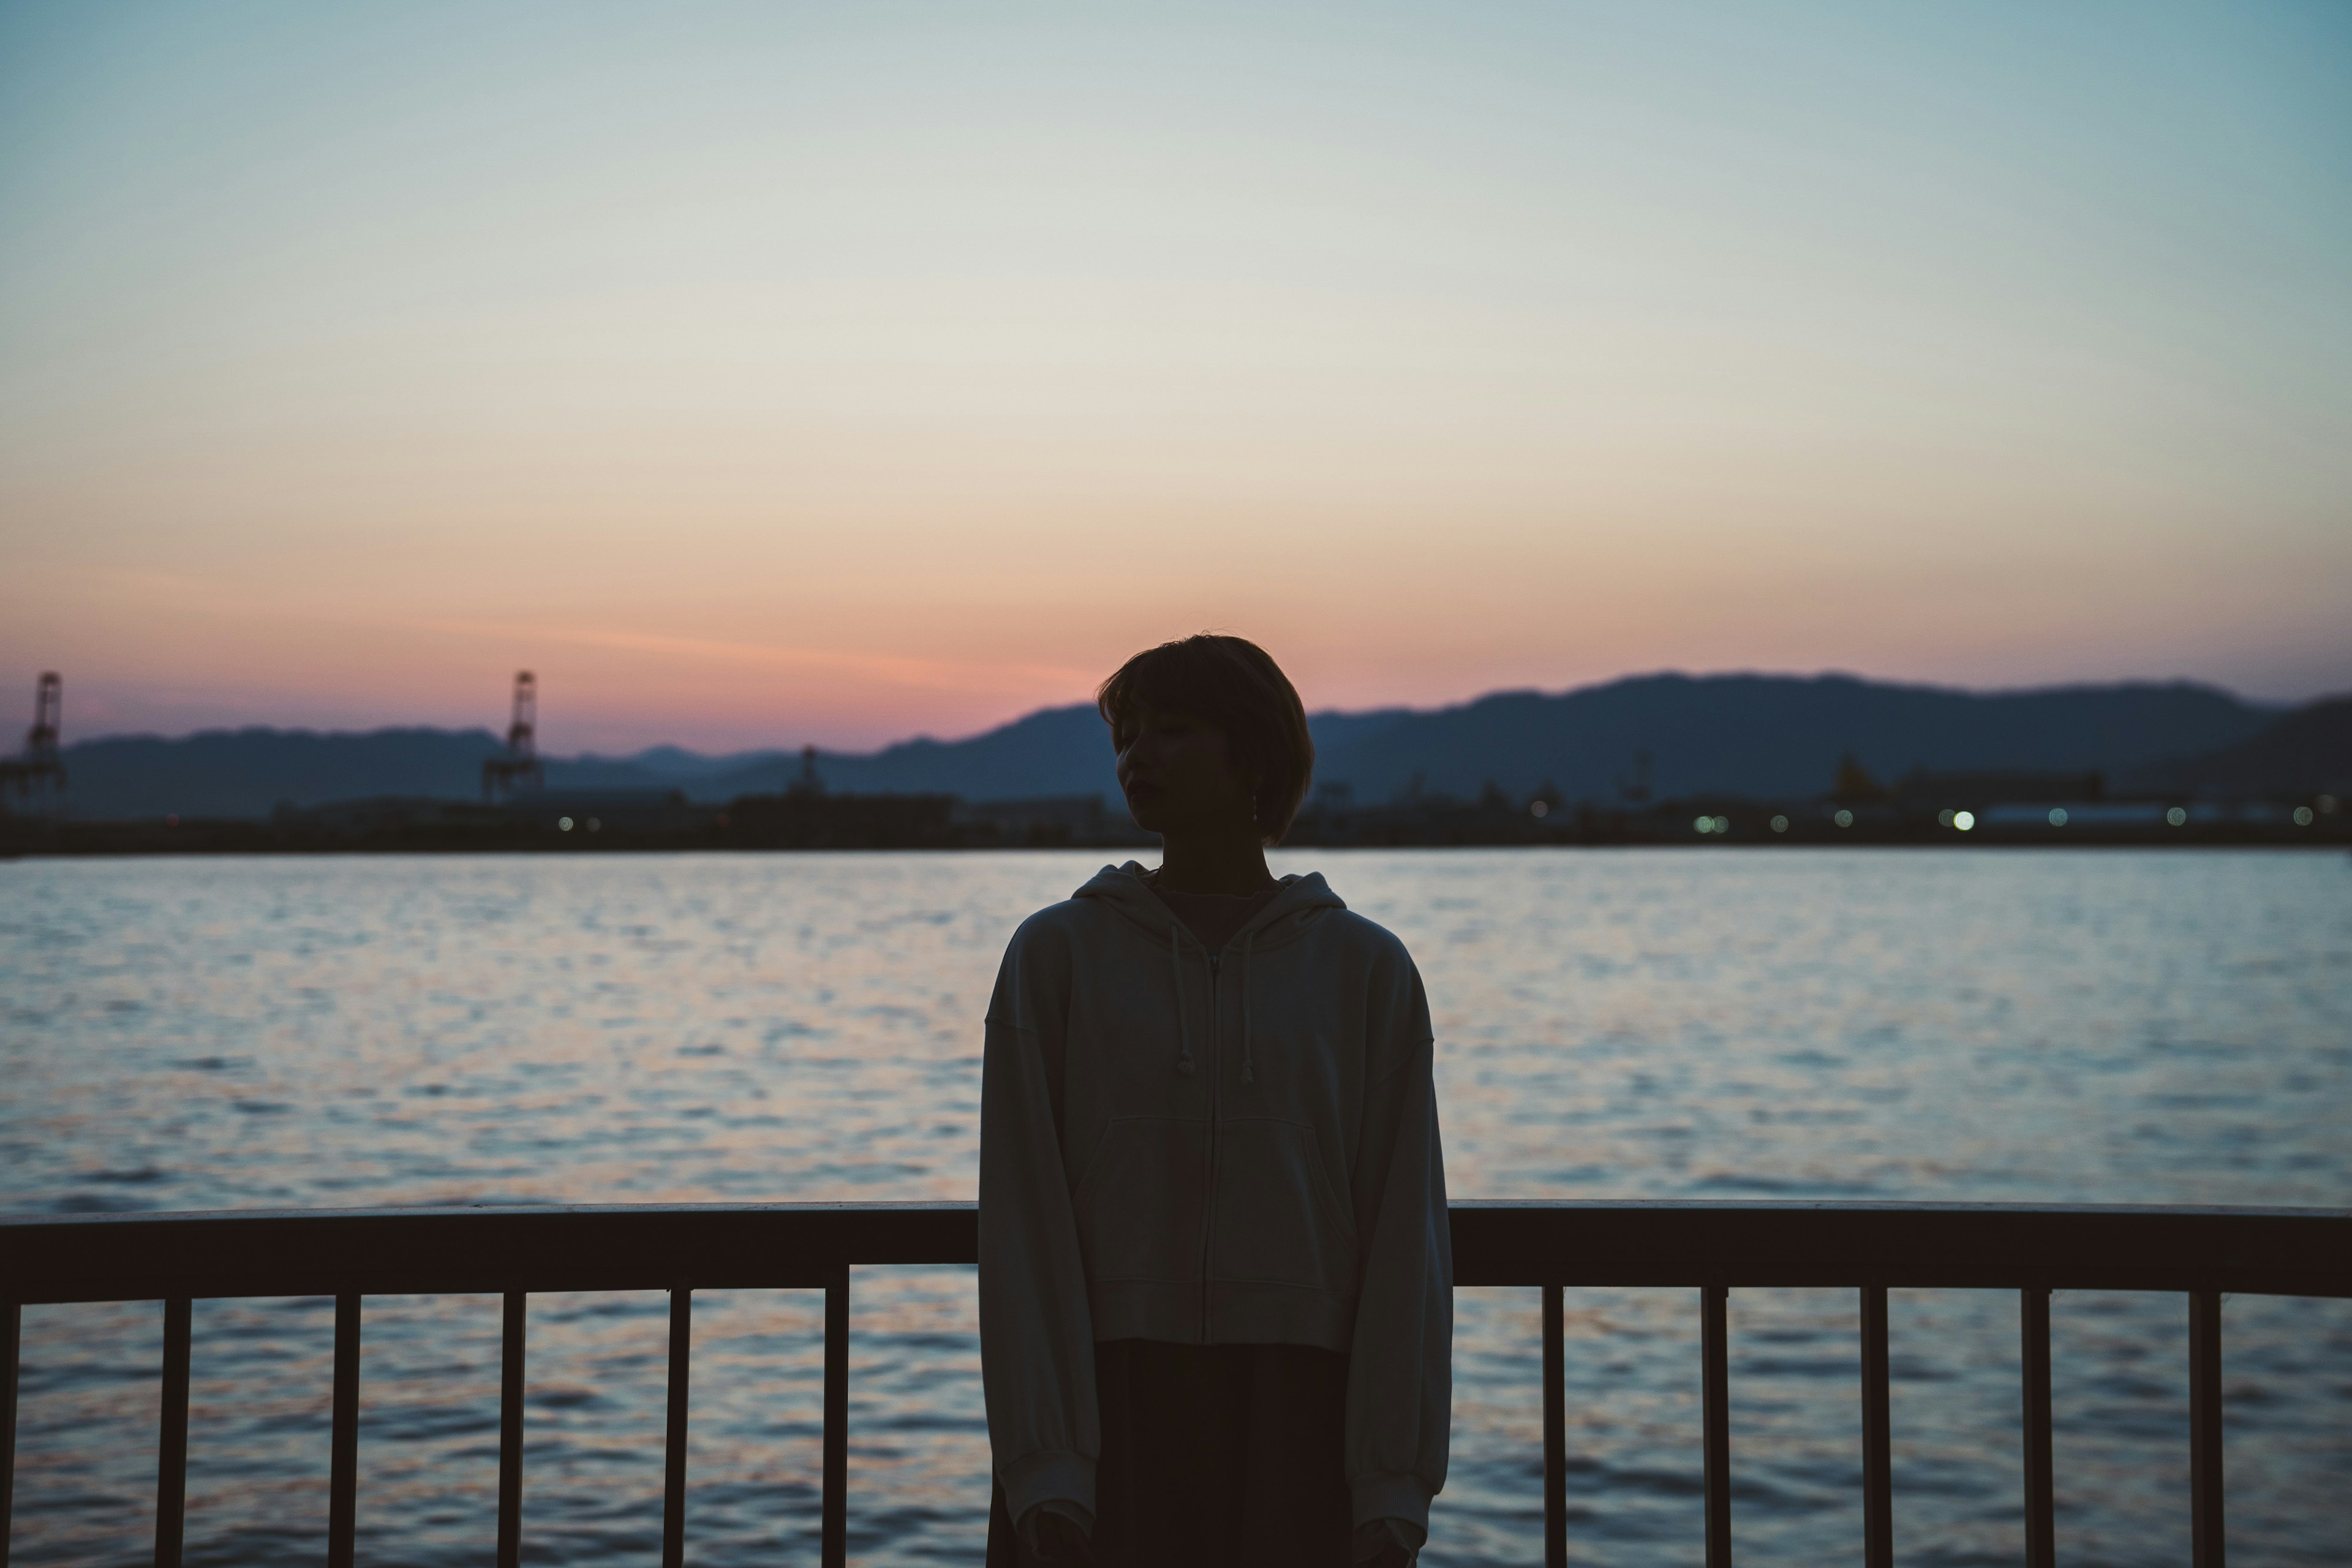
[1770,735]
[1737,734]
[1059,751]
[2308,752]
[245,773]
[1056,750]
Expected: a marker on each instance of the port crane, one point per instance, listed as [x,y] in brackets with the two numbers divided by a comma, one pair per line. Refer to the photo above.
[518,768]
[37,776]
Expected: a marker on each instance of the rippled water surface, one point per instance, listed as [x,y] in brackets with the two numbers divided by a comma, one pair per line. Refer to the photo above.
[2106,1027]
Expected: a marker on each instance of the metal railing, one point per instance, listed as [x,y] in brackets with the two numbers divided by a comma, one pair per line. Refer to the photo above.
[511,1252]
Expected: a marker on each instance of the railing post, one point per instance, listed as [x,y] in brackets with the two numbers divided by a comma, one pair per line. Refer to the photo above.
[833,1548]
[2207,1541]
[2041,1495]
[1714,1374]
[343,1438]
[12,1323]
[171,1445]
[511,1386]
[1555,1435]
[1877,1449]
[681,1348]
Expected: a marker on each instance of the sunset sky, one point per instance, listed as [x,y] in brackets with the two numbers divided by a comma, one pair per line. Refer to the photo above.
[765,375]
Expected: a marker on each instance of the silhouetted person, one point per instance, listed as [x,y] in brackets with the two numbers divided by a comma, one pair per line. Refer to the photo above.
[1215,1284]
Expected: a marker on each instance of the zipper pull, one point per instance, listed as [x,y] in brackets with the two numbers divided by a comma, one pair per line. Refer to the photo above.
[1215,960]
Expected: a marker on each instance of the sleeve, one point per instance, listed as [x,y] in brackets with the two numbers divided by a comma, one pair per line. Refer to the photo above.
[1036,1334]
[1400,1372]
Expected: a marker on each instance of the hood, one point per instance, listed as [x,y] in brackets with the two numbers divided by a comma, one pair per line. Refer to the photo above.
[1125,889]
[1299,901]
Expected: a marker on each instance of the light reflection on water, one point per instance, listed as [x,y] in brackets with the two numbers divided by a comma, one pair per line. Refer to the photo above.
[2114,1028]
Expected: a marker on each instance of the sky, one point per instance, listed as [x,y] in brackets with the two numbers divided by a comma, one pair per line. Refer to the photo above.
[761,375]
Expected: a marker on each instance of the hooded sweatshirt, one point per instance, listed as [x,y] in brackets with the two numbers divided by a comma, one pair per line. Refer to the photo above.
[1211,1148]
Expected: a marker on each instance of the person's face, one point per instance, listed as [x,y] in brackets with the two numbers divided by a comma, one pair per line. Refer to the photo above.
[1179,776]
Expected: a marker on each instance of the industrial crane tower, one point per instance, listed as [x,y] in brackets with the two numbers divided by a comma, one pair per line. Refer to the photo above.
[37,778]
[518,768]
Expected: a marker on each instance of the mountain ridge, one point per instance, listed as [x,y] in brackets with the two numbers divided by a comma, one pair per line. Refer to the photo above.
[1755,734]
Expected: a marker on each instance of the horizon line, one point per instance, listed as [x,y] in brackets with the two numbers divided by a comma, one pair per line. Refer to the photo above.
[1630,677]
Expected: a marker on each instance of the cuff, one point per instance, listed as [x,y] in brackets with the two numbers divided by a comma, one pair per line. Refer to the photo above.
[1395,1495]
[1050,1473]
[1373,1538]
[1032,1526]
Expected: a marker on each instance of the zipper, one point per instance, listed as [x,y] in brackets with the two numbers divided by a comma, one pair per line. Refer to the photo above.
[1209,1225]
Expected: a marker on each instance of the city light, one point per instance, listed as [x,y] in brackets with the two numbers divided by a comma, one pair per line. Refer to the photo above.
[2057,816]
[2176,818]
[1779,825]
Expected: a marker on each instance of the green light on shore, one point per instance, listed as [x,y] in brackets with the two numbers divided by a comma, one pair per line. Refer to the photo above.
[1965,821]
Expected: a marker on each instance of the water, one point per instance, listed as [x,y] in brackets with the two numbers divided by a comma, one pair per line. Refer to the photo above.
[2098,1028]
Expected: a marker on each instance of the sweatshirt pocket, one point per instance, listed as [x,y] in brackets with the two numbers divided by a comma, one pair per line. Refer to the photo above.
[1278,1222]
[1141,1204]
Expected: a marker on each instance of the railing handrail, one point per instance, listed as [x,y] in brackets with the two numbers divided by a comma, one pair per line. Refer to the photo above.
[496,1248]
[517,1249]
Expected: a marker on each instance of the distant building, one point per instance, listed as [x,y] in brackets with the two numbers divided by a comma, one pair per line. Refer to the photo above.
[604,810]
[381,813]
[1854,786]
[1977,790]
[557,811]
[811,783]
[1079,819]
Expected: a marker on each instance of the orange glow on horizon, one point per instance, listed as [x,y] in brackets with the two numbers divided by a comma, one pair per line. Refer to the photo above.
[822,378]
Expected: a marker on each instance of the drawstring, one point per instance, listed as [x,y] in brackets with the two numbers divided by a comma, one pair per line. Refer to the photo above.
[1176,968]
[1249,1063]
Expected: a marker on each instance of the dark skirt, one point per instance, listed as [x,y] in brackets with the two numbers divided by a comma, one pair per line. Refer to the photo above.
[1212,1455]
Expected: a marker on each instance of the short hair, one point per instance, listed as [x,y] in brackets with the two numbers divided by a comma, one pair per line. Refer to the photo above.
[1233,684]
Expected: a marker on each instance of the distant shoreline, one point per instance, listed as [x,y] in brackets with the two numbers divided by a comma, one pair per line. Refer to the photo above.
[937,828]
